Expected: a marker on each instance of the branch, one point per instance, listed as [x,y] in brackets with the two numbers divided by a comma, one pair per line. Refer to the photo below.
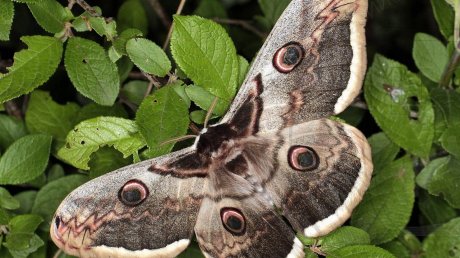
[160,11]
[179,11]
[450,69]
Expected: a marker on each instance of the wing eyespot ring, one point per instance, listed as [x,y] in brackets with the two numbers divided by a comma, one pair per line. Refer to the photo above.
[288,57]
[233,221]
[133,193]
[303,158]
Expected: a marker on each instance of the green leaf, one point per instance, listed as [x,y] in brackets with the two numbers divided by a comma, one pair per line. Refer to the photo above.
[90,135]
[204,99]
[425,176]
[25,159]
[211,9]
[384,151]
[103,27]
[26,200]
[430,56]
[81,23]
[7,201]
[93,110]
[7,13]
[446,104]
[11,129]
[50,14]
[105,160]
[450,140]
[445,17]
[206,54]
[391,91]
[120,42]
[132,15]
[397,249]
[47,117]
[20,245]
[52,194]
[435,209]
[361,251]
[343,237]
[161,117]
[32,67]
[55,172]
[444,242]
[273,9]
[148,56]
[134,91]
[244,67]
[387,204]
[91,71]
[444,181]
[27,223]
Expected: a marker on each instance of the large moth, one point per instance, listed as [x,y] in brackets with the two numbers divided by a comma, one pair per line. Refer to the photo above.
[273,167]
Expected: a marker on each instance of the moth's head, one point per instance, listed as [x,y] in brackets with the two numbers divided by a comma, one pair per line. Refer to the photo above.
[112,216]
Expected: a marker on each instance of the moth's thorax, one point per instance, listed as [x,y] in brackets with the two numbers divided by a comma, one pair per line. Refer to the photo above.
[212,138]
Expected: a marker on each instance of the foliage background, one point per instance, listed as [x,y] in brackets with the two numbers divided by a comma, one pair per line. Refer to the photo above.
[64,118]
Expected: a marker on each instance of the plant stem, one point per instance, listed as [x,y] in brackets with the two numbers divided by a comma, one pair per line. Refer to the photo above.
[450,69]
[179,11]
[160,11]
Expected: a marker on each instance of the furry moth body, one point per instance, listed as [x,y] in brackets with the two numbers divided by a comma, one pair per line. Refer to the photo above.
[273,167]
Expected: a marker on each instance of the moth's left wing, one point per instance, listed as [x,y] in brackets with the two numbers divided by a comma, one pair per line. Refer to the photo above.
[311,66]
[136,211]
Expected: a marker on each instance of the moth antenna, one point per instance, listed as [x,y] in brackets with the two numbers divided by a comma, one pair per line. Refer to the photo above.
[178,139]
[211,108]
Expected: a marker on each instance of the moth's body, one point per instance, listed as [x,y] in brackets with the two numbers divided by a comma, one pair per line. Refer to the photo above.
[273,167]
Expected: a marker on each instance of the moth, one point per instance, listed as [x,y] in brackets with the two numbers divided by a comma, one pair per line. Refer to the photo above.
[273,167]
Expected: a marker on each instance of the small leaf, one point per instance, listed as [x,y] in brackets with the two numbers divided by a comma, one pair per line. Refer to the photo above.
[81,23]
[204,99]
[444,242]
[105,160]
[47,117]
[206,54]
[425,176]
[343,237]
[90,135]
[430,56]
[387,204]
[384,151]
[446,104]
[27,223]
[444,181]
[244,66]
[435,209]
[7,13]
[26,200]
[132,15]
[25,159]
[91,71]
[445,17]
[93,110]
[148,56]
[397,249]
[161,117]
[393,93]
[55,172]
[20,245]
[52,194]
[450,140]
[120,42]
[11,129]
[361,251]
[50,14]
[103,27]
[32,67]
[134,91]
[7,201]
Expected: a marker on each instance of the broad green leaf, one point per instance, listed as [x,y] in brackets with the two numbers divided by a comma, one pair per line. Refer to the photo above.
[7,201]
[6,14]
[211,9]
[26,200]
[444,242]
[384,151]
[397,249]
[90,135]
[52,194]
[134,91]
[55,172]
[91,71]
[103,27]
[93,110]
[435,209]
[132,15]
[450,140]
[48,117]
[105,160]
[273,9]
[161,117]
[148,56]
[25,159]
[32,67]
[26,223]
[430,56]
[445,17]
[445,180]
[446,104]
[387,204]
[361,251]
[11,129]
[204,99]
[343,237]
[391,91]
[206,54]
[20,245]
[425,176]
[119,43]
[125,66]
[50,14]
